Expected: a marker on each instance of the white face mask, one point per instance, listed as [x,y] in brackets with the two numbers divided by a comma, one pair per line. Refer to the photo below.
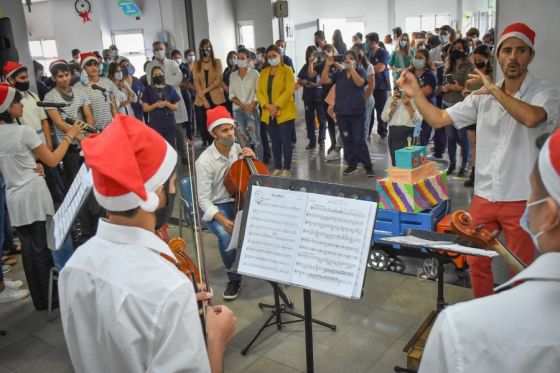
[351,64]
[274,61]
[178,61]
[524,223]
[159,54]
[241,63]
[191,59]
[118,75]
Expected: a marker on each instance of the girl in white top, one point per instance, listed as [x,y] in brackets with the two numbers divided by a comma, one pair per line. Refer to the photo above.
[27,196]
[125,95]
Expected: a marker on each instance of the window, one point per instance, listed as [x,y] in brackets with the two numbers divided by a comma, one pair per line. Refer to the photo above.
[131,46]
[246,34]
[44,52]
[426,22]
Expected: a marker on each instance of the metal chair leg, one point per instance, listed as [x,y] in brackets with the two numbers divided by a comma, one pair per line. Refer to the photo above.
[53,276]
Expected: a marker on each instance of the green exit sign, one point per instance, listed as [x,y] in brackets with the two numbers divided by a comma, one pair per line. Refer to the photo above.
[129,8]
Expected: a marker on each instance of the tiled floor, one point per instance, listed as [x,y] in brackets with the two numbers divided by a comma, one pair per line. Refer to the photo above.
[370,335]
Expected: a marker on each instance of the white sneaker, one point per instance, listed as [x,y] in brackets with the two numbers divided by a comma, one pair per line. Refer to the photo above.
[276,172]
[333,156]
[285,173]
[6,268]
[13,284]
[11,295]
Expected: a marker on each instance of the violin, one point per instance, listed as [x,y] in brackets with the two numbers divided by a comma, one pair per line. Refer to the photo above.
[184,262]
[462,224]
[236,179]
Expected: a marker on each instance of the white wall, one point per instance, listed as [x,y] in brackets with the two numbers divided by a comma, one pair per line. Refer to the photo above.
[260,12]
[544,20]
[222,27]
[38,25]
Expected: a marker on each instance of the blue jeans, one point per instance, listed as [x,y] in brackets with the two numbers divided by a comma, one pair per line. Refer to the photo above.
[312,109]
[351,128]
[458,136]
[281,137]
[370,106]
[251,128]
[228,257]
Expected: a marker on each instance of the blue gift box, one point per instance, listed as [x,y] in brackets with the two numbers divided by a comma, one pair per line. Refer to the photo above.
[410,157]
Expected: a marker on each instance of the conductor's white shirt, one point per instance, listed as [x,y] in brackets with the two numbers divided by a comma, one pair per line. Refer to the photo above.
[515,331]
[125,308]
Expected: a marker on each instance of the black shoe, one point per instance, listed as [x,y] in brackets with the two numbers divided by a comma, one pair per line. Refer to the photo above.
[310,146]
[321,145]
[462,172]
[350,170]
[330,149]
[369,172]
[451,168]
[470,182]
[232,290]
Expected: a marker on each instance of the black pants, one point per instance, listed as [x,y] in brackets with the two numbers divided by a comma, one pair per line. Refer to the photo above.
[398,139]
[71,163]
[265,143]
[312,109]
[351,128]
[37,262]
[207,139]
[180,141]
[281,137]
[380,97]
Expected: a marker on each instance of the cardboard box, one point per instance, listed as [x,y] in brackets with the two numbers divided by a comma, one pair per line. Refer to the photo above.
[412,197]
[410,157]
[411,176]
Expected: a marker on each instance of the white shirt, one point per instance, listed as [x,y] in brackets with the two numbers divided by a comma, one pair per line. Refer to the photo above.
[211,167]
[173,77]
[125,308]
[505,149]
[400,114]
[33,114]
[245,89]
[122,95]
[516,331]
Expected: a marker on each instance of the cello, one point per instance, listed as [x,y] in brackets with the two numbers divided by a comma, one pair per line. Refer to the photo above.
[462,224]
[236,179]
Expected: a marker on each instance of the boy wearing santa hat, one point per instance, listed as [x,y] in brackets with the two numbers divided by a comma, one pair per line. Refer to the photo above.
[215,202]
[516,330]
[510,115]
[125,306]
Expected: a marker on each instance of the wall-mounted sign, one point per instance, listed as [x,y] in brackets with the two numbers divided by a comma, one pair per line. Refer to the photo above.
[130,8]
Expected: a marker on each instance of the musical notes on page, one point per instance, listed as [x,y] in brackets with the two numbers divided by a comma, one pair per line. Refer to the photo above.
[310,240]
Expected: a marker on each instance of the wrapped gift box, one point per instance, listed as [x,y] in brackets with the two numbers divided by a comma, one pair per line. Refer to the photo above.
[414,175]
[410,157]
[412,197]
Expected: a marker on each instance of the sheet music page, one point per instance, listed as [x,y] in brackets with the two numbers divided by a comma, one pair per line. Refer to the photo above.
[334,245]
[272,233]
[234,241]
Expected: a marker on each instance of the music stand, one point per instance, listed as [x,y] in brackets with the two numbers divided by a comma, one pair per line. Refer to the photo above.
[329,189]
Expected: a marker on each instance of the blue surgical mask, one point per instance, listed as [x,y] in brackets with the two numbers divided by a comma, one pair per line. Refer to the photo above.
[191,58]
[84,77]
[443,38]
[403,43]
[524,223]
[418,63]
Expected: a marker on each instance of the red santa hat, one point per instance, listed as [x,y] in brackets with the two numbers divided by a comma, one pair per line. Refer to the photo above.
[7,94]
[129,162]
[86,57]
[549,165]
[520,31]
[217,116]
[11,68]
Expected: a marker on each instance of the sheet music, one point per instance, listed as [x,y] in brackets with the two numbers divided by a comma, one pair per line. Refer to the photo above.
[273,233]
[440,245]
[311,240]
[234,241]
[68,210]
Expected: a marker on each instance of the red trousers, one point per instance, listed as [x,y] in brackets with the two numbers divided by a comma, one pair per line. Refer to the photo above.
[502,216]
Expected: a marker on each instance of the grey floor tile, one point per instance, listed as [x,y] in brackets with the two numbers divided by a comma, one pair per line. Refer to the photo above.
[55,361]
[4,369]
[237,363]
[291,352]
[52,334]
[23,351]
[381,367]
[263,365]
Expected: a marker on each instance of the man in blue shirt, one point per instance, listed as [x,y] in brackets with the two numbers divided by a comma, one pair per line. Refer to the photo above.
[379,57]
[285,59]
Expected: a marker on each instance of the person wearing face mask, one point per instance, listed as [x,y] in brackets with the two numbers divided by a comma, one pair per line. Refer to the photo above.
[218,207]
[510,115]
[349,108]
[482,59]
[135,85]
[379,58]
[446,35]
[127,278]
[208,84]
[422,69]
[402,56]
[103,104]
[106,60]
[125,96]
[275,92]
[285,59]
[230,68]
[338,42]
[173,78]
[261,59]
[243,95]
[369,87]
[160,102]
[515,330]
[314,107]
[319,39]
[185,86]
[457,68]
[114,52]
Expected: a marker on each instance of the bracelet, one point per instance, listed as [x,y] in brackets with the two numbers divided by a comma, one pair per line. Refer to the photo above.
[67,138]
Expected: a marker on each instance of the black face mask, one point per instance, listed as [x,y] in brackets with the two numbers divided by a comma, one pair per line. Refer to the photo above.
[205,52]
[456,54]
[158,79]
[22,87]
[481,65]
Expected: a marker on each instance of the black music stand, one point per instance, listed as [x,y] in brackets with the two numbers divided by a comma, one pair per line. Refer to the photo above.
[278,309]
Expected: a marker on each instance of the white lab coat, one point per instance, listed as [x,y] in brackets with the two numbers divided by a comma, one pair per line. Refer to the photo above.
[515,331]
[125,308]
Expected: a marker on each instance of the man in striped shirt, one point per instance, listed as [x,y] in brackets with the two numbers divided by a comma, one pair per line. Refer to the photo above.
[102,103]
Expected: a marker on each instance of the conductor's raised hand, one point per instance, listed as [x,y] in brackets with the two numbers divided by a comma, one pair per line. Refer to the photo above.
[480,78]
[248,153]
[409,84]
